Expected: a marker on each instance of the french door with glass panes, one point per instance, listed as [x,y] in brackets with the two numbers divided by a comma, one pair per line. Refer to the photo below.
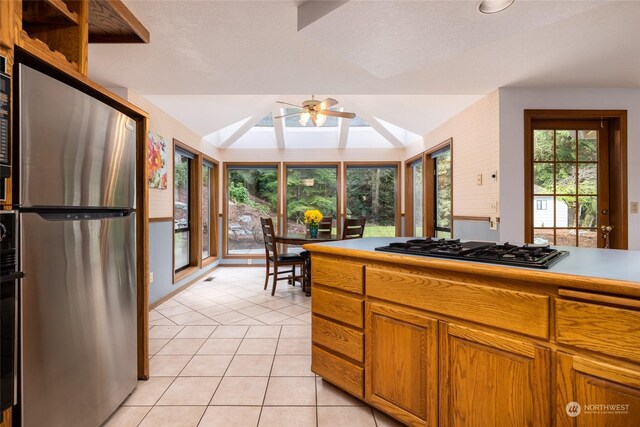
[570,184]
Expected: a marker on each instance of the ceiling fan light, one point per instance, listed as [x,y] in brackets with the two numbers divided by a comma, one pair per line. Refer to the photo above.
[320,119]
[304,118]
[493,6]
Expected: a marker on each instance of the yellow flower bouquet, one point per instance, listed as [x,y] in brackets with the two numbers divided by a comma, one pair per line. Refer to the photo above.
[312,216]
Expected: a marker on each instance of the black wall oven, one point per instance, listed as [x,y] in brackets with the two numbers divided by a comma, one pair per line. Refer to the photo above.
[9,281]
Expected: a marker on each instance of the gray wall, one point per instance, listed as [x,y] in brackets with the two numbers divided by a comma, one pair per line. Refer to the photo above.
[475,230]
[161,262]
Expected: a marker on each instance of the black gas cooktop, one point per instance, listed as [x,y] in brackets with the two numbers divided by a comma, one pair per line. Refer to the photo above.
[534,256]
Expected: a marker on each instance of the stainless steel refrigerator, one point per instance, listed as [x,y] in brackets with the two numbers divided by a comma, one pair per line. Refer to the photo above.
[76,195]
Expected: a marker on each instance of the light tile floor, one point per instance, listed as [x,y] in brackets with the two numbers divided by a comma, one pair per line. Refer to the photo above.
[226,353]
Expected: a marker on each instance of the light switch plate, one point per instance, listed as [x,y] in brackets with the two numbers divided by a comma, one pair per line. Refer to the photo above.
[634,207]
[493,223]
[150,277]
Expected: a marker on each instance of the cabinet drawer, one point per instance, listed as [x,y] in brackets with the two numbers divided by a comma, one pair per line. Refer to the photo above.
[599,328]
[340,338]
[339,307]
[338,371]
[347,276]
[517,311]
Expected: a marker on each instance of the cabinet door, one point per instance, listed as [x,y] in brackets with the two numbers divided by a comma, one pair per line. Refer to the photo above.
[402,363]
[487,379]
[596,394]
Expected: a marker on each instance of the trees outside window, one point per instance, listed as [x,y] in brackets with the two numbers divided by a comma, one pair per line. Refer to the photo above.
[372,193]
[442,193]
[183,178]
[310,187]
[252,193]
[418,198]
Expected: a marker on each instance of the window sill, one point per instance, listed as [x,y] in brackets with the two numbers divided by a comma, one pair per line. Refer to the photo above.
[184,273]
[209,260]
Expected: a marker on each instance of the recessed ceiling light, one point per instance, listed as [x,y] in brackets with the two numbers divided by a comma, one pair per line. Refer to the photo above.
[493,6]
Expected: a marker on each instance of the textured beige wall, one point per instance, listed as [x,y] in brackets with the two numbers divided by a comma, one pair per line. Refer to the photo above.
[476,147]
[161,201]
[475,133]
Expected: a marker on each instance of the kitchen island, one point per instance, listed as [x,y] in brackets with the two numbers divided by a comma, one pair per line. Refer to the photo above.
[432,341]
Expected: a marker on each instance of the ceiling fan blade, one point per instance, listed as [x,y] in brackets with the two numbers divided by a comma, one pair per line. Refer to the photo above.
[337,114]
[326,104]
[287,103]
[287,115]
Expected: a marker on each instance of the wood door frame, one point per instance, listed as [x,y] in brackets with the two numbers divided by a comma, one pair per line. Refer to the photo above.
[373,165]
[429,178]
[225,202]
[213,212]
[195,196]
[428,183]
[618,178]
[409,230]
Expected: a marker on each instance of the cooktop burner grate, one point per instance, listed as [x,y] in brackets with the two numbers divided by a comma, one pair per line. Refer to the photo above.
[534,256]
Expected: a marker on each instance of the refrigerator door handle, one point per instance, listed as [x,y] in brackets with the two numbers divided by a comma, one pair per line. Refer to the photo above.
[54,214]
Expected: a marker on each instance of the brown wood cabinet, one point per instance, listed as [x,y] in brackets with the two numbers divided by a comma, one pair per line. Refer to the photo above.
[482,347]
[591,393]
[402,363]
[491,380]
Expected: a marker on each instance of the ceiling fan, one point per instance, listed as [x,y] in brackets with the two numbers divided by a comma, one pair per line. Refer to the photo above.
[316,110]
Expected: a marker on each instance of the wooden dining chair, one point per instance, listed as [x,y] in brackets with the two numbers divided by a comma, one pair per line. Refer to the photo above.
[279,260]
[353,228]
[325,225]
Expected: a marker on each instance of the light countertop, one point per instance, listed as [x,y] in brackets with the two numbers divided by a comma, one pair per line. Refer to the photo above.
[608,264]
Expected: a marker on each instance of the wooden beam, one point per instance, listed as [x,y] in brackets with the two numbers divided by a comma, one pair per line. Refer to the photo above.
[278,127]
[312,10]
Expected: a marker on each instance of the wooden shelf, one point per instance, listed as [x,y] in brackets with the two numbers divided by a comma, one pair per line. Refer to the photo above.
[41,49]
[110,21]
[57,29]
[47,12]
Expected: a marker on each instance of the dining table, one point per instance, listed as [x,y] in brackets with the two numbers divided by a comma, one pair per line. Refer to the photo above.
[299,239]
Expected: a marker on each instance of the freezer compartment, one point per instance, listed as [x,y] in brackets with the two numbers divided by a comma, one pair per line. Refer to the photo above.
[74,150]
[78,318]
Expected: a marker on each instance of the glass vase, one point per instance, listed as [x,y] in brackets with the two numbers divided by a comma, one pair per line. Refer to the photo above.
[313,230]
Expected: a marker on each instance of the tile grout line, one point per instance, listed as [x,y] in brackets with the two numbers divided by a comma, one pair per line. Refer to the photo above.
[177,376]
[264,398]
[289,299]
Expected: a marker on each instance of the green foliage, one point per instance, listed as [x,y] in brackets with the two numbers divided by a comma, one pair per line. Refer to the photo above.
[371,193]
[181,175]
[238,193]
[443,190]
[311,188]
[572,176]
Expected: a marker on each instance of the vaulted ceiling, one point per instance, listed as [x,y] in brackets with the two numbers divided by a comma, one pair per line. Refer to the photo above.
[213,64]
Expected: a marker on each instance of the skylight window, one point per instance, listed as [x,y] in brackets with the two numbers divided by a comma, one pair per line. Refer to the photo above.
[266,122]
[357,122]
